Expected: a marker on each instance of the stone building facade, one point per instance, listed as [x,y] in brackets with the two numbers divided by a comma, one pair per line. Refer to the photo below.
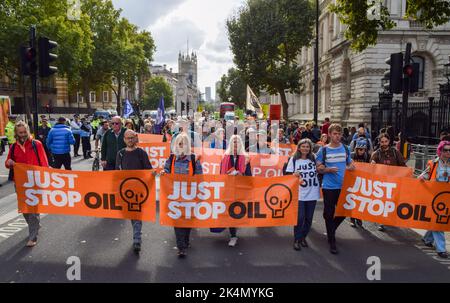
[349,82]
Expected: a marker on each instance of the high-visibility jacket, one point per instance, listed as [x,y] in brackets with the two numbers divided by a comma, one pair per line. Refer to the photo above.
[9,132]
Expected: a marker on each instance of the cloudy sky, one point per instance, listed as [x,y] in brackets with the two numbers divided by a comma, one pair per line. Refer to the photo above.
[174,22]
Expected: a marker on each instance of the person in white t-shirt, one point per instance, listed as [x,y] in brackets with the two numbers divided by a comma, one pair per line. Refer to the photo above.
[303,165]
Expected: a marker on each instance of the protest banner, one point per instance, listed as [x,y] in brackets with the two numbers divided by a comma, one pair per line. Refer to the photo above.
[395,201]
[124,194]
[223,201]
[149,138]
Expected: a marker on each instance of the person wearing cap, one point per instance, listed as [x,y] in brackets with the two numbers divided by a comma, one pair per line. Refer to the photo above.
[59,140]
[359,155]
[75,126]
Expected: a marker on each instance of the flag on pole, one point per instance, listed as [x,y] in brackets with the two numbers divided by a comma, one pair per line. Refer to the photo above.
[253,103]
[127,109]
[160,116]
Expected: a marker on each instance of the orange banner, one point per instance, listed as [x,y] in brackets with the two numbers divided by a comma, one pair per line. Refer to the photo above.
[395,201]
[149,138]
[228,201]
[157,153]
[388,170]
[108,194]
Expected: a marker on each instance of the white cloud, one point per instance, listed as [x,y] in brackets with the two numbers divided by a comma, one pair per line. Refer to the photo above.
[145,12]
[172,22]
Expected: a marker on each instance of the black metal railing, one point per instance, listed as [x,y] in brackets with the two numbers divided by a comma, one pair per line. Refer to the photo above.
[425,120]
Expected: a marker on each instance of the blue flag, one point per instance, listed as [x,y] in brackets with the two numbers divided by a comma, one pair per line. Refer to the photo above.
[160,116]
[128,109]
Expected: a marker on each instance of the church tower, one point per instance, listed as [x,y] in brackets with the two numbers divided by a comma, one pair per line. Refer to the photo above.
[187,65]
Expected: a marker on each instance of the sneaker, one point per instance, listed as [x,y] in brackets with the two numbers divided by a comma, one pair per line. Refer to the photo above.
[381,228]
[233,241]
[31,243]
[297,245]
[303,242]
[359,223]
[137,247]
[427,244]
[182,253]
[443,255]
[352,224]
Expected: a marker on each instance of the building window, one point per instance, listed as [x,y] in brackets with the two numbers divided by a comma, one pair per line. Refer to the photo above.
[92,97]
[80,98]
[105,96]
[421,61]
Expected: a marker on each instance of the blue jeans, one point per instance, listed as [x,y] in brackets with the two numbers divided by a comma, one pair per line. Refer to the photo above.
[438,237]
[137,227]
[305,217]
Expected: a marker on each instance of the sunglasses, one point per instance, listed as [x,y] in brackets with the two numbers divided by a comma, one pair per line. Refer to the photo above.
[115,123]
[446,150]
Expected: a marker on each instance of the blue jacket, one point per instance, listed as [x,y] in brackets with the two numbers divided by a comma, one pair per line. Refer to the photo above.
[59,139]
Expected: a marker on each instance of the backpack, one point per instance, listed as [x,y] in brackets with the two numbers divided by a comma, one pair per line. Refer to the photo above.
[286,164]
[324,158]
[13,147]
[171,159]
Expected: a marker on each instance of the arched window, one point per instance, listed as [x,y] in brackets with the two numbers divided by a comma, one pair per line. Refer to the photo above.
[421,61]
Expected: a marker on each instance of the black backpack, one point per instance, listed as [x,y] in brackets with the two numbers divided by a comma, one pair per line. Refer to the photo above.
[285,166]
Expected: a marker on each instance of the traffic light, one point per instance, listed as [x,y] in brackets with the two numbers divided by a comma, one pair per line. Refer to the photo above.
[412,71]
[28,60]
[395,73]
[46,57]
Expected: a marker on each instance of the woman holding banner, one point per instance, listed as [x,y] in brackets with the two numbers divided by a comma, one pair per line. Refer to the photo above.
[303,165]
[235,163]
[183,162]
[438,170]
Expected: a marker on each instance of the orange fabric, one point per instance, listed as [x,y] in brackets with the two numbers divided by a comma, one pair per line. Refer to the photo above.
[396,201]
[221,201]
[123,194]
[433,166]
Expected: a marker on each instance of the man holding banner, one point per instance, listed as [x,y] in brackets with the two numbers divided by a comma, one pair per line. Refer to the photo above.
[133,158]
[332,161]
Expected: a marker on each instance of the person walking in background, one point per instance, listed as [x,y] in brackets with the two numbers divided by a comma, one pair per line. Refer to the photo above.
[112,142]
[75,126]
[59,140]
[86,130]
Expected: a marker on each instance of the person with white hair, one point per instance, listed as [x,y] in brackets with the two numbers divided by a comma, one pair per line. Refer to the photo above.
[182,161]
[235,162]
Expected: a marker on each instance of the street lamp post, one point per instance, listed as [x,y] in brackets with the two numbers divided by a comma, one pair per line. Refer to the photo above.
[316,67]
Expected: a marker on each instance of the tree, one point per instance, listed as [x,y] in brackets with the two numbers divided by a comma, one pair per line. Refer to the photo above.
[266,38]
[132,52]
[156,87]
[233,88]
[362,31]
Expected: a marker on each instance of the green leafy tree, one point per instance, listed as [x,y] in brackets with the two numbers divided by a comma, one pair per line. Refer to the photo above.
[362,31]
[156,87]
[266,38]
[233,88]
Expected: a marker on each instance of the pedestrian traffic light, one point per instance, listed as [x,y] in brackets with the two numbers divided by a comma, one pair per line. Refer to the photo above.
[46,57]
[28,60]
[395,73]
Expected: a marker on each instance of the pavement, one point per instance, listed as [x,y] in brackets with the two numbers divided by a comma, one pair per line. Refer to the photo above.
[104,249]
